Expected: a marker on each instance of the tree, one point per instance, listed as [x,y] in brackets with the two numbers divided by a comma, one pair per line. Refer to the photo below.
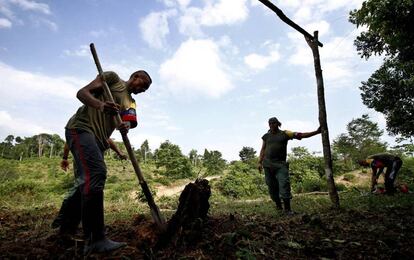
[193,156]
[213,162]
[145,150]
[175,163]
[390,89]
[362,139]
[247,154]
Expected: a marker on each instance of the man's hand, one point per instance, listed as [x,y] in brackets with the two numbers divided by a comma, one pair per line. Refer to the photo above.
[260,167]
[64,164]
[124,128]
[122,156]
[109,107]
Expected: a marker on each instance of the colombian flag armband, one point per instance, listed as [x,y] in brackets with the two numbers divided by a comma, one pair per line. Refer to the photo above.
[130,116]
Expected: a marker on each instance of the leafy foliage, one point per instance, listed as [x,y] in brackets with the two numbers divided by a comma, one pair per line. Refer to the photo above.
[390,90]
[176,165]
[247,153]
[306,171]
[213,162]
[362,140]
[242,181]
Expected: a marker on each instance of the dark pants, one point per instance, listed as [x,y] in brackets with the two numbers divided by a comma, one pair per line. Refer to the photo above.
[391,175]
[85,200]
[278,182]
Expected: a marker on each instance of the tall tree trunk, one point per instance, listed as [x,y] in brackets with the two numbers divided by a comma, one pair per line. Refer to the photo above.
[40,146]
[313,44]
[51,150]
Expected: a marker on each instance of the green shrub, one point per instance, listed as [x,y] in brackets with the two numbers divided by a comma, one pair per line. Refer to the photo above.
[22,186]
[242,181]
[406,174]
[8,171]
[310,185]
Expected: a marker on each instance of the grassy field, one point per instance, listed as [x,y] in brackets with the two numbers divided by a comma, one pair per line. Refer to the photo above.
[366,226]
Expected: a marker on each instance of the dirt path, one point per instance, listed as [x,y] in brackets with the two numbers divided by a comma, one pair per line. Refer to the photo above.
[177,188]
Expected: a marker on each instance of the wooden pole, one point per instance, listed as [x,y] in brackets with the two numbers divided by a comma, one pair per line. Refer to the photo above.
[284,18]
[333,194]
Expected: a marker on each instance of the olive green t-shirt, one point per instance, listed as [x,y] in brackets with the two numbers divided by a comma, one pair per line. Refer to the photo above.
[96,122]
[276,147]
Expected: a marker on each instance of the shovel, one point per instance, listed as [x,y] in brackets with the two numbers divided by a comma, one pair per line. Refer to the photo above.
[155,212]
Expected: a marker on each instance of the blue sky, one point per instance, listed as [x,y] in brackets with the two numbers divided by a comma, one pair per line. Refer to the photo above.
[220,68]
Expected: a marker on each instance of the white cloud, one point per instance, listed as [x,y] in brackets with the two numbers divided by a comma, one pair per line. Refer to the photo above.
[300,126]
[322,27]
[196,67]
[189,24]
[174,3]
[224,12]
[5,23]
[51,25]
[82,51]
[154,28]
[260,62]
[8,7]
[338,55]
[28,86]
[32,6]
[18,126]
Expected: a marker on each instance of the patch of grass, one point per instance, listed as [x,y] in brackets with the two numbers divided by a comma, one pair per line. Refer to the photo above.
[349,177]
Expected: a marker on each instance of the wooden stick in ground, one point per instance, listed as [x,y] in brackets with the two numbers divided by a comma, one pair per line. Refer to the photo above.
[333,194]
[155,212]
[284,18]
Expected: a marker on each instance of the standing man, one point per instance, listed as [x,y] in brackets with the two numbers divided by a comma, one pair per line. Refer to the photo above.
[273,160]
[378,162]
[87,134]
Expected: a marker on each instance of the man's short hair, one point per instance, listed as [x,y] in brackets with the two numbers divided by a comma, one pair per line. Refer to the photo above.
[273,120]
[142,73]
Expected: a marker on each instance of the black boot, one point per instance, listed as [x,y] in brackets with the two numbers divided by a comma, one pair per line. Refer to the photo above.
[278,204]
[288,210]
[93,224]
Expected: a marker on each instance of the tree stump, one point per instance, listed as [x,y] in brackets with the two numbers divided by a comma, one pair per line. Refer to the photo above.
[186,224]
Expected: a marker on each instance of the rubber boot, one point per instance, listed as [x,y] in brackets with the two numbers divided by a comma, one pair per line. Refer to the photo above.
[278,204]
[288,211]
[93,224]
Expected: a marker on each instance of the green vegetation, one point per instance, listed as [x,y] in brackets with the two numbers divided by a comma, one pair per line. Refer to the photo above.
[390,89]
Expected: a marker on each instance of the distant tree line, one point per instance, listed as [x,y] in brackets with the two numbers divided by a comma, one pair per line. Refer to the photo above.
[41,145]
[363,138]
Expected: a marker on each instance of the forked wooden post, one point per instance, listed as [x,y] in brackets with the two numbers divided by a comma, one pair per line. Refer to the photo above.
[333,194]
[313,43]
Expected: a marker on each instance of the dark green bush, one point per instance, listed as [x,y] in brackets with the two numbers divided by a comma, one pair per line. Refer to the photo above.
[8,171]
[21,186]
[406,174]
[242,181]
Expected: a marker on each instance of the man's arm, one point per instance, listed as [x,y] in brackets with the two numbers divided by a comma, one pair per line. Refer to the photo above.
[115,148]
[261,156]
[310,134]
[86,96]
